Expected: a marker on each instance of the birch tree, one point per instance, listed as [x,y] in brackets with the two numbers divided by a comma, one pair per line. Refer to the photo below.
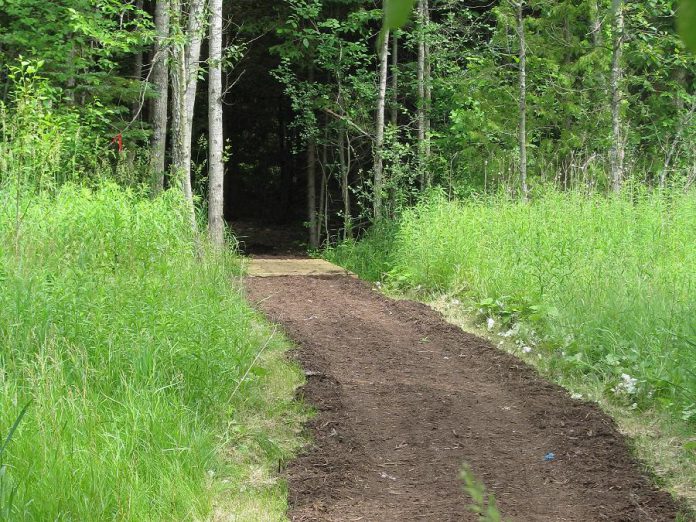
[420,80]
[184,75]
[160,80]
[428,91]
[523,98]
[379,127]
[216,173]
[617,147]
[394,117]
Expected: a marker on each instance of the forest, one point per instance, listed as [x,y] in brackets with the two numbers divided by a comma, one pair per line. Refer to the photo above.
[526,167]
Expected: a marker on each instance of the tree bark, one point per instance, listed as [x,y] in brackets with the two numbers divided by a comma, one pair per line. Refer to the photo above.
[137,68]
[420,81]
[617,149]
[595,24]
[186,57]
[427,87]
[394,117]
[312,178]
[379,128]
[216,172]
[344,160]
[312,191]
[160,79]
[523,99]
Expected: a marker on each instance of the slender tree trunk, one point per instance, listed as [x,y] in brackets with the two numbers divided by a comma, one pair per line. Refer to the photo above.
[312,191]
[160,79]
[312,179]
[428,91]
[70,82]
[595,23]
[184,83]
[344,160]
[420,81]
[324,181]
[523,99]
[394,117]
[379,127]
[216,171]
[617,149]
[672,153]
[137,68]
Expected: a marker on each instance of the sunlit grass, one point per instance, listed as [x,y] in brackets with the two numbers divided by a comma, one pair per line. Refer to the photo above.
[127,346]
[607,284]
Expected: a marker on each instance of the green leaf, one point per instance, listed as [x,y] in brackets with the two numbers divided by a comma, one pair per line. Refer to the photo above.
[686,22]
[397,13]
[14,428]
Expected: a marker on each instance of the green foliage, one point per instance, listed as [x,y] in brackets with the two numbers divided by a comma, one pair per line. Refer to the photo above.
[397,13]
[686,22]
[129,348]
[601,286]
[84,45]
[371,256]
[44,143]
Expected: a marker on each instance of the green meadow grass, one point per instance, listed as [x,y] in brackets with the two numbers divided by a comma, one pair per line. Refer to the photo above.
[134,359]
[605,285]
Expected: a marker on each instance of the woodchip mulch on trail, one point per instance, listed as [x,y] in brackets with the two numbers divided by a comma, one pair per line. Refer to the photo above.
[404,399]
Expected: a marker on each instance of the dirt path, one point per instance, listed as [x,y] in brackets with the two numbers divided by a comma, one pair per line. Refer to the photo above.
[404,399]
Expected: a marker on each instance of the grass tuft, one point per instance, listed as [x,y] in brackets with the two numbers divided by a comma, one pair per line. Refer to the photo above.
[129,347]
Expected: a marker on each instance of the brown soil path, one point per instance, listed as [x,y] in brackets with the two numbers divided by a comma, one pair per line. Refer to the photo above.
[404,399]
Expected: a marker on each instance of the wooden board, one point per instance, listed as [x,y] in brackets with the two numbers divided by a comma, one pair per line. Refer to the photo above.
[274,267]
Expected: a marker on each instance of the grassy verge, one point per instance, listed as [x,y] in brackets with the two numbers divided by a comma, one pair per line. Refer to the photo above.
[154,392]
[599,294]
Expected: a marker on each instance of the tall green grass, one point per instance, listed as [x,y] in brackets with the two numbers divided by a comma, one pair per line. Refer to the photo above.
[127,349]
[607,284]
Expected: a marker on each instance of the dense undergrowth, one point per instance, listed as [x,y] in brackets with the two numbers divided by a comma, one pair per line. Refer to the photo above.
[134,358]
[602,286]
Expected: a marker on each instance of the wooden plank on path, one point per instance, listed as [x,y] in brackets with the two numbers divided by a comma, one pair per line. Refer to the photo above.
[274,267]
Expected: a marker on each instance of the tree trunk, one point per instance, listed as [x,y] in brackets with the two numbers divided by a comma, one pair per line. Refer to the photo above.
[523,99]
[420,80]
[312,191]
[321,217]
[344,160]
[216,171]
[394,118]
[137,69]
[595,24]
[312,179]
[184,83]
[427,87]
[617,149]
[379,128]
[160,79]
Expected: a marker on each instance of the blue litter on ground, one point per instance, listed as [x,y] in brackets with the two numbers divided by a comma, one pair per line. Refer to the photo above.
[549,457]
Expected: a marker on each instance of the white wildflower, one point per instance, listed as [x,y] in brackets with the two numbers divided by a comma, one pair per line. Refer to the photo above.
[515,330]
[490,323]
[627,385]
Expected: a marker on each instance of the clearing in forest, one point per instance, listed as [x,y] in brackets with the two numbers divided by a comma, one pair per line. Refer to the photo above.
[405,399]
